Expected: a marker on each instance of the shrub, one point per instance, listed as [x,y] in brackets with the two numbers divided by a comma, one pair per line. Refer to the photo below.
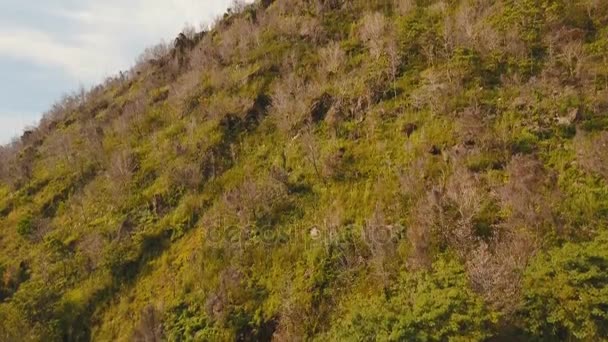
[37,301]
[188,322]
[434,305]
[566,292]
[25,226]
[257,203]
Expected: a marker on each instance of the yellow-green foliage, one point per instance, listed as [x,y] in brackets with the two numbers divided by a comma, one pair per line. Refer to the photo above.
[435,305]
[567,292]
[324,170]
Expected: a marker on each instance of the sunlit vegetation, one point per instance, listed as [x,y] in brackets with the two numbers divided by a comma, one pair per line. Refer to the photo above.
[324,170]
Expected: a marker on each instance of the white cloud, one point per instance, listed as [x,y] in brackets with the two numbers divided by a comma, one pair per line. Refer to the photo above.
[80,61]
[81,42]
[104,37]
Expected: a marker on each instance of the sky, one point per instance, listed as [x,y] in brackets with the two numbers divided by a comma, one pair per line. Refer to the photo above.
[52,47]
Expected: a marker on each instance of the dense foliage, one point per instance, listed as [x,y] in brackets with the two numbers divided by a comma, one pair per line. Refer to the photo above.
[324,170]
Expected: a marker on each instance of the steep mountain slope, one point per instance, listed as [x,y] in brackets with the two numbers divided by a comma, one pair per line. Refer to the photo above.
[324,170]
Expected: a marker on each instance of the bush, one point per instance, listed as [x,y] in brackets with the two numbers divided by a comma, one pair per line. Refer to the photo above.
[436,305]
[25,226]
[187,322]
[566,292]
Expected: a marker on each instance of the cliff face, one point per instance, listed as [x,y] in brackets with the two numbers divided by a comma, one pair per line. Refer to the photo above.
[331,170]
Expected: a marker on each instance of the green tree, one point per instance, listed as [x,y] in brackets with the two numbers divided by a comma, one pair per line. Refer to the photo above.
[435,305]
[566,292]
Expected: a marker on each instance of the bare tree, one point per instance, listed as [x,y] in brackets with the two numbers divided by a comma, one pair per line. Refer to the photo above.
[254,200]
[524,193]
[592,152]
[496,268]
[420,231]
[237,6]
[373,28]
[332,57]
[7,157]
[573,57]
[157,55]
[313,153]
[121,169]
[59,151]
[190,32]
[188,175]
[404,7]
[289,102]
[130,120]
[379,240]
[237,39]
[394,58]
[92,246]
[463,30]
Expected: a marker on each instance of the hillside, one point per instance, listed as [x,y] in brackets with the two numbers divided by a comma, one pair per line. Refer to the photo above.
[324,170]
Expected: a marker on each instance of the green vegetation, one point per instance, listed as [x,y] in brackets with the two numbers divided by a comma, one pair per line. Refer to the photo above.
[423,306]
[324,170]
[567,292]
